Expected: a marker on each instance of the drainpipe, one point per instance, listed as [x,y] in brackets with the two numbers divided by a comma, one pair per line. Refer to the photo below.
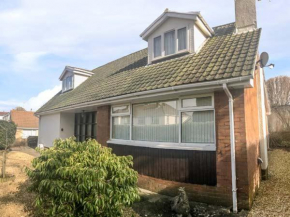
[233,146]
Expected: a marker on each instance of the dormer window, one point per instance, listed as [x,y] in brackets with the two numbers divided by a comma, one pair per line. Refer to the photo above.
[67,83]
[174,34]
[174,41]
[72,77]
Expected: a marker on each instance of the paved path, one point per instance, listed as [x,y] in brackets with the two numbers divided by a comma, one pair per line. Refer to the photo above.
[273,198]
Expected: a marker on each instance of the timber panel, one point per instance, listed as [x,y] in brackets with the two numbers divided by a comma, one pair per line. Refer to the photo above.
[195,167]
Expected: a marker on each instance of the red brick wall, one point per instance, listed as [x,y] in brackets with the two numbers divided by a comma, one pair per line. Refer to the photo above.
[103,124]
[224,178]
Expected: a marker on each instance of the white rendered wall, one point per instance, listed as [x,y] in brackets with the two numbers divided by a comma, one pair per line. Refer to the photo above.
[263,116]
[199,38]
[78,79]
[49,129]
[67,122]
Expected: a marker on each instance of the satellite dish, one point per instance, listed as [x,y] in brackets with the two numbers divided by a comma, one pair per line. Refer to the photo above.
[264,58]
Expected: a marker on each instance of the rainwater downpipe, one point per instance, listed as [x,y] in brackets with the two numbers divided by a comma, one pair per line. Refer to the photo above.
[233,147]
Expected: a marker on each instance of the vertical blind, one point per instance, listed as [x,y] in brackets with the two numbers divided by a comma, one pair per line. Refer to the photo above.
[169,42]
[157,122]
[121,127]
[157,46]
[181,35]
[197,127]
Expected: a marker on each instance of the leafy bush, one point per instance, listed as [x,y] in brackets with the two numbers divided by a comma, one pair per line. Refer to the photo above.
[82,179]
[11,131]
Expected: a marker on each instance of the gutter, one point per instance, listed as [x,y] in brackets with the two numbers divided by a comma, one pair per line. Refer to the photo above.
[233,146]
[156,92]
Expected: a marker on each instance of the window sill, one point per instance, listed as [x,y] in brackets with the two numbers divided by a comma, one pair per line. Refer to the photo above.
[165,145]
[182,52]
[64,91]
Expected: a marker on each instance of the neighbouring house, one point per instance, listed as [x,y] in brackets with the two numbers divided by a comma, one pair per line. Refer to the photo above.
[26,122]
[2,115]
[190,108]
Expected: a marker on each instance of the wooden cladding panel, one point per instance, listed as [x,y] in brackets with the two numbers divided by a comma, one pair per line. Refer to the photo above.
[195,167]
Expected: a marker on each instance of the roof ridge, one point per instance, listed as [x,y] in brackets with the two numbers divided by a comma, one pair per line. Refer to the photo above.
[224,24]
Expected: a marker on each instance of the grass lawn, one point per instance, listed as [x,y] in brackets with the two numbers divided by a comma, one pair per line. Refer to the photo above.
[273,198]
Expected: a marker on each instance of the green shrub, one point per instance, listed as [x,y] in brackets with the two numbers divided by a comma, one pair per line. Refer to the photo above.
[82,179]
[11,131]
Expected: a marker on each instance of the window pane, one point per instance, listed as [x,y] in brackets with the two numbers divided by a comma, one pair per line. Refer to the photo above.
[84,126]
[197,102]
[169,42]
[181,34]
[156,122]
[120,109]
[157,46]
[197,127]
[121,127]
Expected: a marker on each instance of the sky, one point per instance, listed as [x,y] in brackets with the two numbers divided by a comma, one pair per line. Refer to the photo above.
[38,38]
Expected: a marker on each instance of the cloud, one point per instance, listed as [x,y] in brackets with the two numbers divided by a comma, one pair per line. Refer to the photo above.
[33,103]
[27,61]
[39,37]
[36,102]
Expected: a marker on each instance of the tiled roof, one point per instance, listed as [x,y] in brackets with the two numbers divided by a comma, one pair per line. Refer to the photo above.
[24,119]
[225,55]
[3,113]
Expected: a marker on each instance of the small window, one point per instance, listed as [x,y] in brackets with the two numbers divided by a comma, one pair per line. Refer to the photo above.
[169,42]
[197,102]
[157,46]
[120,109]
[67,83]
[181,35]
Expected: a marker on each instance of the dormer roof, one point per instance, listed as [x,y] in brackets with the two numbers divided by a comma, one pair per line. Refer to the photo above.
[75,70]
[201,23]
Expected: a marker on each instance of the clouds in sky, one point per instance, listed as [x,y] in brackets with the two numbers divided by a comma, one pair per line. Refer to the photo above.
[39,37]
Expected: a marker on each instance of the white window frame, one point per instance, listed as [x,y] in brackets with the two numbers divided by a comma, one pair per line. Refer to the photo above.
[160,48]
[120,115]
[168,145]
[64,81]
[176,44]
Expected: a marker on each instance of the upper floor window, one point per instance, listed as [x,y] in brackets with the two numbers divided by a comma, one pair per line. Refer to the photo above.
[173,41]
[157,46]
[169,42]
[181,37]
[67,83]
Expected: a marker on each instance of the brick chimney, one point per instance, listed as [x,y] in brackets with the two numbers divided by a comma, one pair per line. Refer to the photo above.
[246,15]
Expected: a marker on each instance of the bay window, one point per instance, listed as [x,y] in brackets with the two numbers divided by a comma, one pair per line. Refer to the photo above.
[184,122]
